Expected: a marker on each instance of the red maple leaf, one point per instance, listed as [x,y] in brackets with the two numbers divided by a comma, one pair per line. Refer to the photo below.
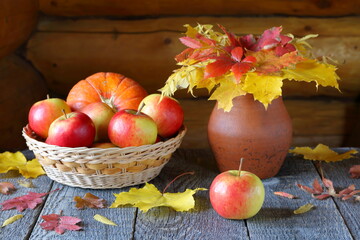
[58,223]
[31,200]
[355,171]
[237,63]
[6,187]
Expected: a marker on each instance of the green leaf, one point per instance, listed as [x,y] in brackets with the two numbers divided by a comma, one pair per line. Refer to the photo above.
[12,219]
[303,209]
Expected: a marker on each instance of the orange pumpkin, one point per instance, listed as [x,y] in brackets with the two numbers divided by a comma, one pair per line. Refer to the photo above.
[116,90]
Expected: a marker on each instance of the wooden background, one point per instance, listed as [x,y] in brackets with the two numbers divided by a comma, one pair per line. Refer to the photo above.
[71,40]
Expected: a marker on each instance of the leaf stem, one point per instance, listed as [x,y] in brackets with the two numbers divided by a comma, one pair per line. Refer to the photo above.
[186,173]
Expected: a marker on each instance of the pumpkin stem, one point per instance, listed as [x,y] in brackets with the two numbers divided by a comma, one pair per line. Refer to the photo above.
[97,91]
[47,96]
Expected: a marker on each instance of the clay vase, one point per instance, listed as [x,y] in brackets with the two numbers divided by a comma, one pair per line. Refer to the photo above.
[261,136]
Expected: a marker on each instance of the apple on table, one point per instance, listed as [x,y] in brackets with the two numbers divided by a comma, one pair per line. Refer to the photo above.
[44,112]
[237,194]
[74,129]
[131,128]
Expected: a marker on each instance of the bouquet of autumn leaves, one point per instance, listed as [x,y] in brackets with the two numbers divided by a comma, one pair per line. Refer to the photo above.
[230,66]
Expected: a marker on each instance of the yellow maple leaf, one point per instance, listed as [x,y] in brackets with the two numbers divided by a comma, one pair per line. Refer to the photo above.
[264,88]
[322,153]
[226,92]
[17,161]
[149,197]
[313,71]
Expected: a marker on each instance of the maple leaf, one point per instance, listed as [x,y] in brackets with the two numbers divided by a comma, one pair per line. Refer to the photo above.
[149,197]
[6,187]
[322,153]
[30,200]
[355,171]
[267,62]
[225,92]
[263,88]
[313,71]
[17,161]
[89,200]
[58,223]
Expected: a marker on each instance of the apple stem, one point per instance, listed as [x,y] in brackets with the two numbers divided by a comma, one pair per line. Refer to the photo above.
[141,107]
[66,117]
[186,173]
[240,165]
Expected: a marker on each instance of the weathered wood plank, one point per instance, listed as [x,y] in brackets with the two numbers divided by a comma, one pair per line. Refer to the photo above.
[13,231]
[147,56]
[21,86]
[62,200]
[345,26]
[202,222]
[16,23]
[187,7]
[314,121]
[339,174]
[276,218]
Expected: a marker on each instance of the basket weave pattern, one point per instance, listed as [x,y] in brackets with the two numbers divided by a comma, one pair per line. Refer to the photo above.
[99,168]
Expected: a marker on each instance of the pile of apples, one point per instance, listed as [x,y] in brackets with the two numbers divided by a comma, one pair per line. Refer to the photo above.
[100,125]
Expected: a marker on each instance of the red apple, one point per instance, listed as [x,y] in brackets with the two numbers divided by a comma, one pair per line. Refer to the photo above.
[72,130]
[101,114]
[237,196]
[131,128]
[44,112]
[166,112]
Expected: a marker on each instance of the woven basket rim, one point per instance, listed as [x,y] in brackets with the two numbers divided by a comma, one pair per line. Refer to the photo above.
[112,150]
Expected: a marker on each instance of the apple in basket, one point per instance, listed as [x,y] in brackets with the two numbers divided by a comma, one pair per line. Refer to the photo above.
[101,114]
[44,112]
[74,129]
[165,111]
[132,128]
[237,194]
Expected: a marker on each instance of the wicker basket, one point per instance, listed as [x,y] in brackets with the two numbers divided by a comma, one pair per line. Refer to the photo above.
[99,168]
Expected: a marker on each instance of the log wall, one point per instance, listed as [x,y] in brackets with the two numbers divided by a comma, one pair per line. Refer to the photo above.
[74,39]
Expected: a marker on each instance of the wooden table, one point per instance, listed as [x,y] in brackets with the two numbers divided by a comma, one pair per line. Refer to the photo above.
[331,218]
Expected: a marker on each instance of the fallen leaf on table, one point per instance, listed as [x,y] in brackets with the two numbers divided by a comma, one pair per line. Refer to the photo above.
[12,219]
[284,194]
[355,171]
[6,187]
[17,161]
[30,200]
[303,209]
[58,223]
[322,153]
[149,197]
[89,200]
[104,220]
[318,192]
[26,183]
